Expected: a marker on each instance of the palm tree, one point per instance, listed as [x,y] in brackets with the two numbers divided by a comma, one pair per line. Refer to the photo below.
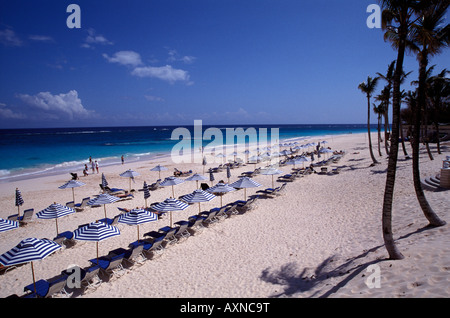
[368,88]
[389,77]
[430,38]
[439,89]
[379,110]
[397,17]
[401,129]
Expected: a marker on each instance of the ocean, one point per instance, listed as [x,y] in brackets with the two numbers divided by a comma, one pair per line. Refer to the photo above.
[27,153]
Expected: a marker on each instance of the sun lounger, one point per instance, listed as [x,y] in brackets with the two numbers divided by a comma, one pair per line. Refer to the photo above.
[5,269]
[48,288]
[131,256]
[114,221]
[170,232]
[26,217]
[209,217]
[80,206]
[178,173]
[195,224]
[182,230]
[110,265]
[70,204]
[221,213]
[82,278]
[248,205]
[112,191]
[155,186]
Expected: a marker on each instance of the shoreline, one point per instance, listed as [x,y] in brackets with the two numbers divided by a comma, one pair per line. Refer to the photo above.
[319,236]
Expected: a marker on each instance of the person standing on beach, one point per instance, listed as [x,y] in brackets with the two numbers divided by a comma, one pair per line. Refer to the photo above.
[93,166]
[96,165]
[122,159]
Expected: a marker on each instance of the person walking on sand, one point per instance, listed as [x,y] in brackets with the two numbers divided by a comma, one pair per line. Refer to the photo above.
[96,165]
[122,159]
[93,166]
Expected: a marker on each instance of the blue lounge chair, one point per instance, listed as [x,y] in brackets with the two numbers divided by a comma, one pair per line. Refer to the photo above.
[48,288]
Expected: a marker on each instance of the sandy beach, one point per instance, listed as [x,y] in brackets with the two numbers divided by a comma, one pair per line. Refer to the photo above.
[318,239]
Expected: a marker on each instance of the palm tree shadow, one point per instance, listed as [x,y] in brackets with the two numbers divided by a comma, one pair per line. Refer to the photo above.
[292,282]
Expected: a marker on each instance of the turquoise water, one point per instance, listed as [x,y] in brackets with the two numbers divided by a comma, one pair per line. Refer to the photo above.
[36,152]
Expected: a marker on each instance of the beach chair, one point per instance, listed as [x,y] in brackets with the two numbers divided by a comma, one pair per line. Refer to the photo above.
[182,230]
[150,248]
[26,217]
[195,224]
[114,221]
[156,185]
[48,288]
[70,204]
[221,213]
[83,278]
[5,269]
[246,206]
[110,265]
[170,232]
[209,217]
[80,206]
[132,256]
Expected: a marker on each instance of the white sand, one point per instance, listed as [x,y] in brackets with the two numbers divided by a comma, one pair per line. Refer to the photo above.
[317,240]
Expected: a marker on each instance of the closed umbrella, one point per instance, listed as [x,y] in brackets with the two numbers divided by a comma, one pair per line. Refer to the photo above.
[170,205]
[104,181]
[104,199]
[196,177]
[19,200]
[245,182]
[72,184]
[159,168]
[129,174]
[211,177]
[96,232]
[198,196]
[171,181]
[29,250]
[220,189]
[272,172]
[228,173]
[7,225]
[146,192]
[138,216]
[55,211]
[204,163]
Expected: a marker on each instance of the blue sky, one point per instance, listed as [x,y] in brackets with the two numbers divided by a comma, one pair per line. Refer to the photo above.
[168,62]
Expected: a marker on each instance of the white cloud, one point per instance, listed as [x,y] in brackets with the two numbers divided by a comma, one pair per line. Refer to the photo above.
[154,98]
[41,38]
[93,38]
[8,113]
[166,73]
[57,106]
[174,57]
[125,58]
[9,38]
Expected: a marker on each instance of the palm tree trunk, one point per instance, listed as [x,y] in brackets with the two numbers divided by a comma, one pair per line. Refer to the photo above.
[386,139]
[388,236]
[426,208]
[379,135]
[438,142]
[403,140]
[368,130]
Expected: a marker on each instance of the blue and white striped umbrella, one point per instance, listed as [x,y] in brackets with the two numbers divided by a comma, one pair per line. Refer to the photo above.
[72,184]
[146,192]
[129,174]
[170,205]
[6,225]
[159,168]
[228,173]
[245,182]
[196,177]
[220,189]
[55,211]
[96,231]
[211,177]
[171,181]
[104,182]
[198,196]
[29,250]
[138,216]
[19,200]
[104,199]
[271,172]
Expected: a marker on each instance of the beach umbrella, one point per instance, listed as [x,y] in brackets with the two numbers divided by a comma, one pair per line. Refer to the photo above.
[170,205]
[220,189]
[234,154]
[104,199]
[104,182]
[146,192]
[204,164]
[211,177]
[6,225]
[72,184]
[29,250]
[129,174]
[228,173]
[138,216]
[325,150]
[221,155]
[272,172]
[55,211]
[159,168]
[294,161]
[196,177]
[198,196]
[171,181]
[96,231]
[19,200]
[245,182]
